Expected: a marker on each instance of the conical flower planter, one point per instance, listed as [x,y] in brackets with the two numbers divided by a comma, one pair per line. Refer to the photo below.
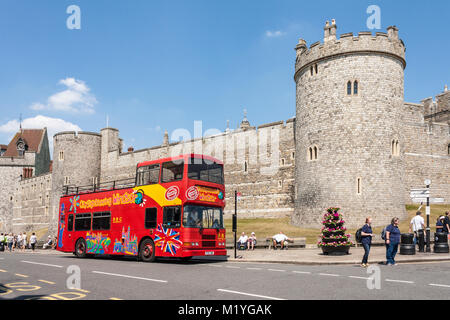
[334,240]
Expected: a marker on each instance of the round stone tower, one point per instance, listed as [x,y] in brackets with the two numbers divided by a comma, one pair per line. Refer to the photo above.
[76,162]
[348,135]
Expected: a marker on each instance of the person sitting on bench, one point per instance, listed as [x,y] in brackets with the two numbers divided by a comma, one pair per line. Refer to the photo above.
[242,242]
[280,239]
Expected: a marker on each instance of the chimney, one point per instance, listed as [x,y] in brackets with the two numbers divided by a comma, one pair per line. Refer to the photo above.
[130,149]
[330,31]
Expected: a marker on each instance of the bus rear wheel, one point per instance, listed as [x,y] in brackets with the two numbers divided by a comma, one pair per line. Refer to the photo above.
[147,251]
[80,248]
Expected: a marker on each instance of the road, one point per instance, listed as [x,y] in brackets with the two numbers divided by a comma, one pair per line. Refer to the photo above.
[45,276]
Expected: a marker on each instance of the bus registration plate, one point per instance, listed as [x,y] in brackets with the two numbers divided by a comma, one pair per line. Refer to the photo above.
[209,253]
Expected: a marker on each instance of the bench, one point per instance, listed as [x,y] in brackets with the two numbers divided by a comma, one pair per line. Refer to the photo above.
[292,243]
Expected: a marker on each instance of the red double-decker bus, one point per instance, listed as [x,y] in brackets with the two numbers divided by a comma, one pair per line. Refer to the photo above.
[173,208]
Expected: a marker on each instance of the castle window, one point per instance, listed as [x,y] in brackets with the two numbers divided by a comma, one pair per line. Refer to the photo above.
[312,70]
[358,186]
[349,88]
[395,148]
[245,167]
[316,68]
[282,162]
[313,153]
[66,181]
[280,184]
[61,156]
[293,155]
[448,149]
[355,87]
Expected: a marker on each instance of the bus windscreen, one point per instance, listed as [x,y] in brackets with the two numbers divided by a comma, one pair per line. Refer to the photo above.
[202,217]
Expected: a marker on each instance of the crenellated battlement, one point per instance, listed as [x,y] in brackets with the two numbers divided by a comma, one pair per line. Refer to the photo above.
[365,42]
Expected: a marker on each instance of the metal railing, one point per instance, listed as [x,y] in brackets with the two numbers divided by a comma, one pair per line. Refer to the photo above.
[104,186]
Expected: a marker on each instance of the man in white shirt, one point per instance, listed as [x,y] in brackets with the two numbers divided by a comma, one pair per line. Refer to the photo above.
[242,242]
[417,225]
[280,239]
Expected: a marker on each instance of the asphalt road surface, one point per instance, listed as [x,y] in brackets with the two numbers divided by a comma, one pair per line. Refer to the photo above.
[54,277]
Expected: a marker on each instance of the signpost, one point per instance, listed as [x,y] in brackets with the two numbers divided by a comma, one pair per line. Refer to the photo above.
[427,183]
[237,196]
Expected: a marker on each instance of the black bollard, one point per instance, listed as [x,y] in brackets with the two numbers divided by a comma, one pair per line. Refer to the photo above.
[441,242]
[407,246]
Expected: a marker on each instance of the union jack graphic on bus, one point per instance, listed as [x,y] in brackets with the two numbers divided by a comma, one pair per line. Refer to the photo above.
[167,239]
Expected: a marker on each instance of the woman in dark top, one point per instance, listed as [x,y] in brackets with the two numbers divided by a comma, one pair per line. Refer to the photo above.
[392,241]
[366,241]
[440,224]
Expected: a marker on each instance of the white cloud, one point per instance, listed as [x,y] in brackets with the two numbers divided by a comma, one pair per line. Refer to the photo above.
[54,125]
[274,34]
[76,98]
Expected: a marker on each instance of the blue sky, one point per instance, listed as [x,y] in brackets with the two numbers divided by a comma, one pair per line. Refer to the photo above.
[160,65]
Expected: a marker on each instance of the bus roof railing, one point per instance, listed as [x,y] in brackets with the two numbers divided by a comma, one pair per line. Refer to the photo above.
[104,186]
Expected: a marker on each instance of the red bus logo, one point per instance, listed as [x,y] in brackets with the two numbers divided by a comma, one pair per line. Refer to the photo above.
[192,193]
[172,193]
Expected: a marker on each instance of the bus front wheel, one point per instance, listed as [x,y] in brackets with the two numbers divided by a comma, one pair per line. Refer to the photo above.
[80,248]
[147,251]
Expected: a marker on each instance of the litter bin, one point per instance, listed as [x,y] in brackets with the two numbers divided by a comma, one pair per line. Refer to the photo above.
[407,246]
[441,242]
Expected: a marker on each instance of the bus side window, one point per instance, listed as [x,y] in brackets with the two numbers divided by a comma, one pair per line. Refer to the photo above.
[83,222]
[172,217]
[70,222]
[101,221]
[150,218]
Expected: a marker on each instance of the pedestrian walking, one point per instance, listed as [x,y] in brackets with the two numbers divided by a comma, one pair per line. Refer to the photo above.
[10,241]
[417,225]
[366,241]
[33,240]
[392,241]
[447,222]
[24,241]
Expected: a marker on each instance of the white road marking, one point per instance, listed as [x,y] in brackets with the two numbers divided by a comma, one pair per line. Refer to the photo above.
[329,275]
[276,270]
[126,276]
[230,267]
[42,264]
[439,285]
[21,275]
[250,294]
[254,268]
[45,281]
[399,281]
[302,272]
[354,277]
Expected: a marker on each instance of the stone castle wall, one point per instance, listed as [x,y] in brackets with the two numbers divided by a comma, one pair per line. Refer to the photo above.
[10,171]
[32,204]
[426,153]
[265,192]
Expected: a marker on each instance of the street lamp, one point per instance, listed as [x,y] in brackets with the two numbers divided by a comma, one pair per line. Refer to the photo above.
[428,183]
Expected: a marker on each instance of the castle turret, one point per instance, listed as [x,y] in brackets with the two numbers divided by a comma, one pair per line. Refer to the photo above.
[349,107]
[77,158]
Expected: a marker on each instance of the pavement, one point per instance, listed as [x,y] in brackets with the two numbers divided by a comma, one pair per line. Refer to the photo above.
[316,257]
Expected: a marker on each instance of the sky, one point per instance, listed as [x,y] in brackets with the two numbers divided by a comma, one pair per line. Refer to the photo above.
[149,66]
